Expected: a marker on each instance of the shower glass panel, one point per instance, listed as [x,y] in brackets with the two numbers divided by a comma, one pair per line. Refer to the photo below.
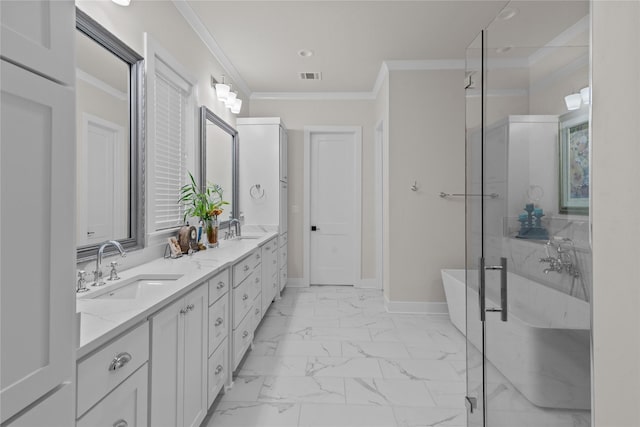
[528,247]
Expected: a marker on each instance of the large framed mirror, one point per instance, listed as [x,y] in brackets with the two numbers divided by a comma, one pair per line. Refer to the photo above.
[110,148]
[219,160]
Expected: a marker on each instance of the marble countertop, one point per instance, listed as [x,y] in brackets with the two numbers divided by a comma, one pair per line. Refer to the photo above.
[104,319]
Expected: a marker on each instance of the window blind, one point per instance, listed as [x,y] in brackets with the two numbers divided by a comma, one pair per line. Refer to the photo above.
[170,149]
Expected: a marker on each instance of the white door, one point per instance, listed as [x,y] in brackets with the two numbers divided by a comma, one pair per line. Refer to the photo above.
[334,208]
[104,181]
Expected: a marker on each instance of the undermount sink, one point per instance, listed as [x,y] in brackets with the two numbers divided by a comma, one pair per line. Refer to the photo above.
[133,287]
[246,237]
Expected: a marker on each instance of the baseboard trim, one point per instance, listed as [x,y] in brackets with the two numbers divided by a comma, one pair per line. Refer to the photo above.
[296,283]
[415,307]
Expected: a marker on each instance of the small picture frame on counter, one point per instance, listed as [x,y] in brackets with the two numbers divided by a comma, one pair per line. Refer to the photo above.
[173,249]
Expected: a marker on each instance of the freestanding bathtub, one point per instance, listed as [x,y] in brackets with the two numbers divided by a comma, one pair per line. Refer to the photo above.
[543,349]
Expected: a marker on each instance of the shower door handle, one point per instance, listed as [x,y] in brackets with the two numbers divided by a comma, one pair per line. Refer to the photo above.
[503,289]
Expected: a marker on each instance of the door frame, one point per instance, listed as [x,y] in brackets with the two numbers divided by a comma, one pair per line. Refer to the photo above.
[306,221]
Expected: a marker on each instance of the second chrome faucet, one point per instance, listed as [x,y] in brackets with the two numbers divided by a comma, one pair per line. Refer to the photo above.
[97,273]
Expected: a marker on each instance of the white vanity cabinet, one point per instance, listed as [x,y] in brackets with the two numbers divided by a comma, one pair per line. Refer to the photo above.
[218,372]
[246,293]
[179,350]
[264,177]
[270,273]
[37,152]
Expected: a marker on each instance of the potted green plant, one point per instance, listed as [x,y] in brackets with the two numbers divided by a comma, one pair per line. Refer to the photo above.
[205,204]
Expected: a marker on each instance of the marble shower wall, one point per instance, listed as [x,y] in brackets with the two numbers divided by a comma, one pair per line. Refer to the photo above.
[523,258]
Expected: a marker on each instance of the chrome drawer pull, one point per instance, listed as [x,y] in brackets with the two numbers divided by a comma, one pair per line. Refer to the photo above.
[245,297]
[245,334]
[267,247]
[219,321]
[190,307]
[257,311]
[257,280]
[183,311]
[218,369]
[246,268]
[119,361]
[120,423]
[220,285]
[258,256]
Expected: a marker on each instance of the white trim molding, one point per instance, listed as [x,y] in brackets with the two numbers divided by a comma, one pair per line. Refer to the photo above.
[101,85]
[201,30]
[415,307]
[297,282]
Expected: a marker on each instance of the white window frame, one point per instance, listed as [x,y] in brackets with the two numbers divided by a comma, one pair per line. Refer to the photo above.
[155,53]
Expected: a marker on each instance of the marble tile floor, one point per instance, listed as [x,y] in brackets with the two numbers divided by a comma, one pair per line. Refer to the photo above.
[332,356]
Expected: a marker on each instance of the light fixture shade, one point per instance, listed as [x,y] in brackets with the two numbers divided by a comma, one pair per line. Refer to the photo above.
[222,91]
[122,2]
[573,101]
[585,94]
[237,105]
[231,99]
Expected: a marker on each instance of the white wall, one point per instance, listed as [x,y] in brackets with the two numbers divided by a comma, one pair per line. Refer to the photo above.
[168,28]
[615,203]
[426,144]
[298,114]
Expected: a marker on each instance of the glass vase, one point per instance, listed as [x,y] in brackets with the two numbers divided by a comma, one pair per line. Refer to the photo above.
[211,227]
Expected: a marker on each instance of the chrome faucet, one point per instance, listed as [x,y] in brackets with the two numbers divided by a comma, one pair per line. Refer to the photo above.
[97,274]
[236,222]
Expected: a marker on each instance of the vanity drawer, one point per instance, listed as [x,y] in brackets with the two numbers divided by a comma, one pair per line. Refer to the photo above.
[217,372]
[257,258]
[256,311]
[218,285]
[101,372]
[124,406]
[218,323]
[242,269]
[242,337]
[255,284]
[242,301]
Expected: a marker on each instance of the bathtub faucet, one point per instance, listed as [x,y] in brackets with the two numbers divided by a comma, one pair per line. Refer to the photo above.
[563,261]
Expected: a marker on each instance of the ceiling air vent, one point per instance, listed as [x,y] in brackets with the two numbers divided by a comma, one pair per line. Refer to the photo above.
[311,76]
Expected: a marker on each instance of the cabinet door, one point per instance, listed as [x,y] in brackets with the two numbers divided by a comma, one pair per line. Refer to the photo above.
[283,207]
[167,360]
[37,171]
[195,357]
[126,406]
[283,155]
[52,411]
[39,35]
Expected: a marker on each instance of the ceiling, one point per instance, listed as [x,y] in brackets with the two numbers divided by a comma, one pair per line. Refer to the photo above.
[258,42]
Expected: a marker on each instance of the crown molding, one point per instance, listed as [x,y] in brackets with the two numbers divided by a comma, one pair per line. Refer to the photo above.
[425,65]
[561,40]
[199,28]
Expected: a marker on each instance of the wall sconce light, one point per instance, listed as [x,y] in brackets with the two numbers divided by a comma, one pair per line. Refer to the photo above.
[231,99]
[585,94]
[222,89]
[573,101]
[122,2]
[237,105]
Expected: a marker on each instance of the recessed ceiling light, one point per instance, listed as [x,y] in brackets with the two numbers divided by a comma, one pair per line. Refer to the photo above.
[305,53]
[507,13]
[504,49]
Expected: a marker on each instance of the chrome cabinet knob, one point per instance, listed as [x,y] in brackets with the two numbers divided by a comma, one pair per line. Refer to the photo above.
[246,268]
[245,334]
[119,361]
[218,369]
[220,285]
[245,297]
[190,307]
[120,423]
[219,321]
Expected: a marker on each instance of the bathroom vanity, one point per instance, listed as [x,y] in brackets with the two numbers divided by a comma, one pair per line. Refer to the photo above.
[170,333]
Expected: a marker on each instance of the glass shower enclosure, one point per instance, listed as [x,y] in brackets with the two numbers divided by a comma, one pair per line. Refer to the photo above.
[528,252]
